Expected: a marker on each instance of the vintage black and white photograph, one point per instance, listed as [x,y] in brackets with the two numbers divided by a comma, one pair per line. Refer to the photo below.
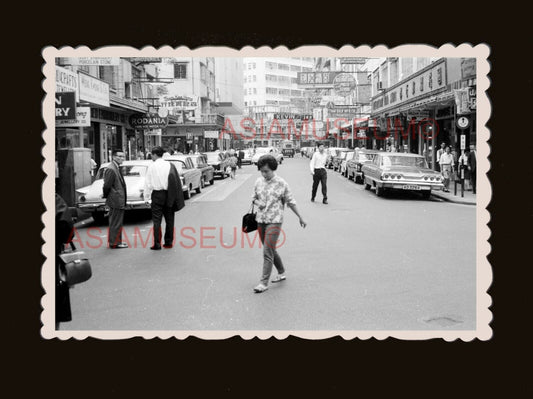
[263,192]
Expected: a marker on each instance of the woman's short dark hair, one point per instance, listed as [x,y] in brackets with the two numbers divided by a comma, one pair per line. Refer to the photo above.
[268,160]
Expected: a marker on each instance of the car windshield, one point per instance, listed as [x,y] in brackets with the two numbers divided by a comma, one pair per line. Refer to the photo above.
[262,150]
[418,162]
[213,157]
[180,165]
[363,157]
[127,170]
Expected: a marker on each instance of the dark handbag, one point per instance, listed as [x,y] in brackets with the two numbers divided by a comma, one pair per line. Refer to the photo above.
[248,221]
[76,268]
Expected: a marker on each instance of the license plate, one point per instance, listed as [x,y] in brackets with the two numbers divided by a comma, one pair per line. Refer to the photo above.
[411,187]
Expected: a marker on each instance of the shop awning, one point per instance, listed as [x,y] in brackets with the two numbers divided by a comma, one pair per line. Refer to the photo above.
[128,104]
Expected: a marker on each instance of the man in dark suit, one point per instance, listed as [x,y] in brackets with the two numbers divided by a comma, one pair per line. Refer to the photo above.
[240,157]
[115,194]
[472,166]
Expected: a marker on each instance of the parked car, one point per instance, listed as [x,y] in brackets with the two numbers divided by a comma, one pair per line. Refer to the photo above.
[343,169]
[192,177]
[90,198]
[219,162]
[208,172]
[310,151]
[338,158]
[287,149]
[331,152]
[248,153]
[354,165]
[260,151]
[400,171]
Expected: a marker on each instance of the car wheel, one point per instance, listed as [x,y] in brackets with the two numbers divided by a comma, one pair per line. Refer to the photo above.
[99,217]
[379,191]
[199,188]
[187,194]
[212,181]
[426,194]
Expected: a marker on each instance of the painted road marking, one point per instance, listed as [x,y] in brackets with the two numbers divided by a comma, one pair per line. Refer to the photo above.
[221,191]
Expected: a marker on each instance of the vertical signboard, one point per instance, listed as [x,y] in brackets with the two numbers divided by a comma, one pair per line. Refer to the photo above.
[93,90]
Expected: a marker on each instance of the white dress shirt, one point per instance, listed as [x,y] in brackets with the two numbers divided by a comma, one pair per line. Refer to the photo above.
[318,161]
[156,177]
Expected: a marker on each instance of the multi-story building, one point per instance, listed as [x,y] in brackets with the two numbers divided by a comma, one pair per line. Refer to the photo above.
[203,91]
[271,88]
[416,103]
[107,92]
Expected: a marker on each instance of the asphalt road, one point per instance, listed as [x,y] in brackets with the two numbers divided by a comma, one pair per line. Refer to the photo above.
[362,263]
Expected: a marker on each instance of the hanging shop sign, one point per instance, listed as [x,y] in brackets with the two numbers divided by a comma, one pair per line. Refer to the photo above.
[461,101]
[93,90]
[463,122]
[147,121]
[65,105]
[66,80]
[83,119]
[344,84]
[145,60]
[353,60]
[468,68]
[343,111]
[100,61]
[187,109]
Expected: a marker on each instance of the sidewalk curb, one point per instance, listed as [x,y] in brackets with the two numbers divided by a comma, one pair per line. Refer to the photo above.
[459,200]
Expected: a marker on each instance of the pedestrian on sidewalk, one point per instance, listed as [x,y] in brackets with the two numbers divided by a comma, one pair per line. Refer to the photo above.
[162,189]
[233,164]
[318,170]
[441,151]
[446,162]
[114,191]
[240,158]
[472,166]
[271,193]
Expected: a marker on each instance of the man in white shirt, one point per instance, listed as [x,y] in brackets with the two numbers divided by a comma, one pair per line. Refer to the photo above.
[155,192]
[318,170]
[446,162]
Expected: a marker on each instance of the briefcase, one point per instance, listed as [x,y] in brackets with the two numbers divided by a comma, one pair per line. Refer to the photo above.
[248,221]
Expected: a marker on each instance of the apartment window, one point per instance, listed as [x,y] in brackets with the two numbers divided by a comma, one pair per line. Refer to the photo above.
[255,78]
[294,80]
[296,68]
[284,92]
[245,104]
[255,102]
[270,65]
[271,78]
[180,70]
[271,90]
[255,90]
[253,65]
[283,67]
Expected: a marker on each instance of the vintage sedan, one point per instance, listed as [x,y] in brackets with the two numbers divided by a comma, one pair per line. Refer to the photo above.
[192,177]
[354,165]
[331,152]
[208,172]
[219,162]
[260,151]
[343,169]
[90,198]
[338,158]
[400,171]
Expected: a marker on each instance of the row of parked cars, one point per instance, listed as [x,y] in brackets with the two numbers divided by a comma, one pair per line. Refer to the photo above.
[384,171]
[196,171]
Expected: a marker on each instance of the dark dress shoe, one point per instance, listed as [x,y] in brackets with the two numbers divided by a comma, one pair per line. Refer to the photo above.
[312,200]
[167,246]
[325,201]
[121,245]
[156,247]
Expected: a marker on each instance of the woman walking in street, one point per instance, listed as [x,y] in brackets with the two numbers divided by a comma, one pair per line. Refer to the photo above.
[446,162]
[271,193]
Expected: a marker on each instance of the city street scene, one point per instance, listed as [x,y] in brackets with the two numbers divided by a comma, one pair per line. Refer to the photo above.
[265,194]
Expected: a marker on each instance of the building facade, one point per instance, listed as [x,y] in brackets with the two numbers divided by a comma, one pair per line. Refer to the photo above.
[107,92]
[416,103]
[203,90]
[271,95]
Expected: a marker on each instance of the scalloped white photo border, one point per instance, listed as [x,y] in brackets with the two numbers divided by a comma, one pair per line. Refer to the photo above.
[481,52]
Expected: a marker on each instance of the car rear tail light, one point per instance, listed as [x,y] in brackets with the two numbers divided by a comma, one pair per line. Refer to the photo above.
[385,176]
[82,198]
[426,178]
[432,178]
